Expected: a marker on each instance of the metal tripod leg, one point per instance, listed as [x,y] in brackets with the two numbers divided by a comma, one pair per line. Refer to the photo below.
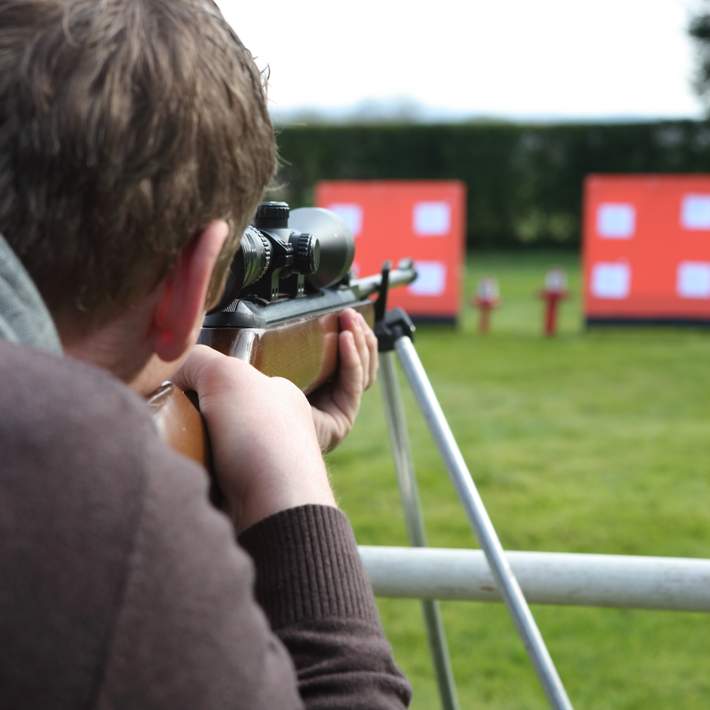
[481,523]
[415,526]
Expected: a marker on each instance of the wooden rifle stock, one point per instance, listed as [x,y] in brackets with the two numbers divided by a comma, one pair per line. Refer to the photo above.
[295,338]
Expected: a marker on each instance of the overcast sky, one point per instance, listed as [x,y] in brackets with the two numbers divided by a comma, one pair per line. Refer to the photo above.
[527,58]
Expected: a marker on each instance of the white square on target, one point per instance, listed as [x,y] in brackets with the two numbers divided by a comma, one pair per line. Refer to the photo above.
[350,213]
[431,279]
[611,280]
[432,219]
[616,220]
[693,279]
[695,212]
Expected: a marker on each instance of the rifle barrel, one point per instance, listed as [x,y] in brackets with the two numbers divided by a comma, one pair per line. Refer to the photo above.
[402,275]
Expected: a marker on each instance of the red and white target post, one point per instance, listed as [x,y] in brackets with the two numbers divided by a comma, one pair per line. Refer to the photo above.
[486,299]
[555,291]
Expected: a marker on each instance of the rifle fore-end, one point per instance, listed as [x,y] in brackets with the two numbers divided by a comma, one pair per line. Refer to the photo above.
[303,350]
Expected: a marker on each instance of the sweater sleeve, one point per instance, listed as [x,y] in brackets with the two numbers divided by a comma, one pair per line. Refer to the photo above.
[312,585]
[188,633]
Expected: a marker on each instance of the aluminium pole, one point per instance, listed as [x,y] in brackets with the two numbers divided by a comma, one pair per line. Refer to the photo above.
[481,523]
[565,578]
[407,482]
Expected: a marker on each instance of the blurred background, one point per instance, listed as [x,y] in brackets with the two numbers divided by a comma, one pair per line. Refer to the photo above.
[594,440]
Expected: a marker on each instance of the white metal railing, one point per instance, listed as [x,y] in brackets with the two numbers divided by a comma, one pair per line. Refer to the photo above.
[545,577]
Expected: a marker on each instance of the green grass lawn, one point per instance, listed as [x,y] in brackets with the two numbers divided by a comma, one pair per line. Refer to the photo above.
[594,441]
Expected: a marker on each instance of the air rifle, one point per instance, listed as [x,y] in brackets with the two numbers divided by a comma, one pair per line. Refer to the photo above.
[285,288]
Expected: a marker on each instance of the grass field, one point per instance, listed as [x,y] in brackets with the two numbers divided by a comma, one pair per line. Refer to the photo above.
[594,441]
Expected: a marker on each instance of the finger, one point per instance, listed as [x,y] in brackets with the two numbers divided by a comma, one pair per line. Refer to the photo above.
[374,356]
[349,321]
[350,375]
[363,352]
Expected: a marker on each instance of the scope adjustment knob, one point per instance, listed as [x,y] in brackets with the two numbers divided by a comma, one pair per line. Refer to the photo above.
[272,215]
[306,253]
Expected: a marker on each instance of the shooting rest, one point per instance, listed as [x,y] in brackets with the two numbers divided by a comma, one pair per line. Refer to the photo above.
[395,333]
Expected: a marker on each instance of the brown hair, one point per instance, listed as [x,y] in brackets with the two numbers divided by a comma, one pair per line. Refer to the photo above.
[125,127]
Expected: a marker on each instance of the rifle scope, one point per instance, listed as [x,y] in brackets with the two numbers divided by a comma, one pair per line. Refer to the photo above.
[286,254]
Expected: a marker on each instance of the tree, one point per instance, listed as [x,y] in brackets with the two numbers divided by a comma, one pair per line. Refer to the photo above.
[699,30]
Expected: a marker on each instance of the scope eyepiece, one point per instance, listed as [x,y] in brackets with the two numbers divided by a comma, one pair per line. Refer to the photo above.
[306,253]
[253,259]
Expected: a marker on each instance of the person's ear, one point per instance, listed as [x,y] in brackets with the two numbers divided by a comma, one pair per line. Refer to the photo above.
[180,307]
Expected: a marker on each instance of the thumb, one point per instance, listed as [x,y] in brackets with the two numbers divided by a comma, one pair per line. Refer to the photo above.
[192,374]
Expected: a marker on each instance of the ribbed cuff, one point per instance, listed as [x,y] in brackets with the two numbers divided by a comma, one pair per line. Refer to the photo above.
[308,567]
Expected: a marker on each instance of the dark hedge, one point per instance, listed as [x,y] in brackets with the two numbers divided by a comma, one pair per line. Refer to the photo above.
[524,182]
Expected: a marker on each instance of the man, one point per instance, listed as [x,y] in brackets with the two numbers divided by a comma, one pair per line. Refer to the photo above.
[134,147]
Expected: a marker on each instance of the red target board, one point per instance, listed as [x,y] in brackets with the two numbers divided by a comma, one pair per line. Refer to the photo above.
[421,220]
[647,248]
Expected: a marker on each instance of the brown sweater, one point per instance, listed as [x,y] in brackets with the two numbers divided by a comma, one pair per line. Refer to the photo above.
[120,587]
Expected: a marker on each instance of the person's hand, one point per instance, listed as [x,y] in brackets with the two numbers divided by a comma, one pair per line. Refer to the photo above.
[336,404]
[265,451]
